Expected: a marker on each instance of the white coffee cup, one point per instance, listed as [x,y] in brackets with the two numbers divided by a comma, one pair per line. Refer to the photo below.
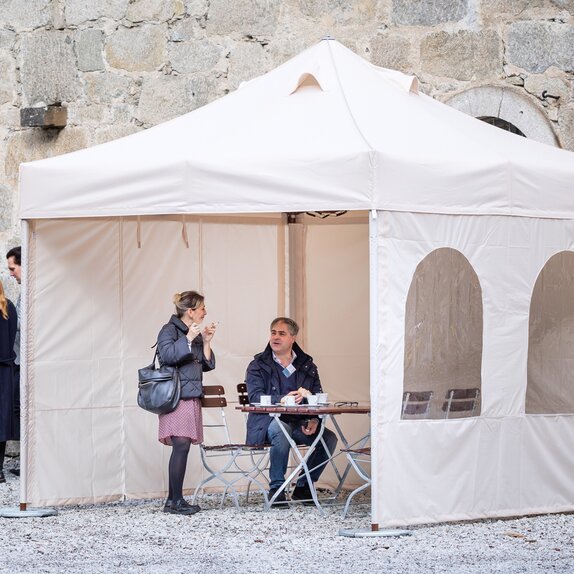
[265,400]
[312,399]
[322,398]
[290,400]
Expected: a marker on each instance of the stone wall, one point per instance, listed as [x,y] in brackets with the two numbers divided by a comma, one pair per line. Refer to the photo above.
[124,65]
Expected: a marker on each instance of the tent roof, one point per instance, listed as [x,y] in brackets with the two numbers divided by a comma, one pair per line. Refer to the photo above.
[326,130]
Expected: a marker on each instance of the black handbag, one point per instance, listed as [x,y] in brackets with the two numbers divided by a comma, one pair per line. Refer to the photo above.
[159,389]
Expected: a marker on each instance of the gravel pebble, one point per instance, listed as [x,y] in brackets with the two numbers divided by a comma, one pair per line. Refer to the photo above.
[136,536]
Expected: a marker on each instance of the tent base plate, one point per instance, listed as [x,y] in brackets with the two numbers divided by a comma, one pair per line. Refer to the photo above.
[28,513]
[368,533]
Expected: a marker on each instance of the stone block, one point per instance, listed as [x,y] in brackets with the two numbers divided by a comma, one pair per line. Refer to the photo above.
[84,114]
[21,15]
[253,18]
[391,51]
[566,122]
[185,30]
[110,133]
[7,77]
[429,12]
[196,56]
[535,46]
[44,117]
[196,8]
[89,47]
[79,11]
[154,10]
[106,87]
[30,145]
[6,208]
[494,10]
[544,87]
[170,96]
[339,11]
[464,55]
[48,68]
[139,49]
[7,39]
[247,60]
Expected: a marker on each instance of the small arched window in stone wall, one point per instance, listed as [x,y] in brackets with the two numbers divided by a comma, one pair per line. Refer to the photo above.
[443,339]
[502,124]
[550,376]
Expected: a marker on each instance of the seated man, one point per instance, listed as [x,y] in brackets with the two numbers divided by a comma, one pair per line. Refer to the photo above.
[280,370]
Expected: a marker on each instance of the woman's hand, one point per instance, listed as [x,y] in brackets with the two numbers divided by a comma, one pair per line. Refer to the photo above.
[208,332]
[193,332]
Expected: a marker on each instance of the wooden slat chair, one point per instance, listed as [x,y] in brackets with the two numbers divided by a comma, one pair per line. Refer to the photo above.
[416,404]
[229,463]
[259,453]
[461,401]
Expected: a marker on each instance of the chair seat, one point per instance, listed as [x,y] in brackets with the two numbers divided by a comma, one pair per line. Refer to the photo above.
[364,451]
[235,446]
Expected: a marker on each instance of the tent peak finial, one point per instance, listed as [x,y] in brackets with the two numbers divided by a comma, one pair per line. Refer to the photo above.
[327,37]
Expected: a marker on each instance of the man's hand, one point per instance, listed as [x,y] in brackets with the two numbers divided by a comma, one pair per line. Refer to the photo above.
[298,397]
[310,427]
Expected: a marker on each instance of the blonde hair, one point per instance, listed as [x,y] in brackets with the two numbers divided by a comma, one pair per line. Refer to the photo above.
[3,303]
[187,300]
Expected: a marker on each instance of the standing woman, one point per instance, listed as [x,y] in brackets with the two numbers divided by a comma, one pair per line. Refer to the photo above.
[9,425]
[181,343]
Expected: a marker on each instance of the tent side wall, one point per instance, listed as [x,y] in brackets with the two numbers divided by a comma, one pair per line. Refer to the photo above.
[100,289]
[503,462]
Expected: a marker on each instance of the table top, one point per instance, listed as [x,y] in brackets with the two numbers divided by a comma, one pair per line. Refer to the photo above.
[361,409]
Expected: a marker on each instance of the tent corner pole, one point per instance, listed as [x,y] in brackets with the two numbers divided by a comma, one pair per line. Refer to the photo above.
[23,511]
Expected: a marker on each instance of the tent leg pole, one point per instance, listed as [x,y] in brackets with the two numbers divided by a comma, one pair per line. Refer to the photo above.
[23,511]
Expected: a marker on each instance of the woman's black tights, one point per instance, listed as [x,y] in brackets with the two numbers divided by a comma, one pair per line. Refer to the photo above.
[177,466]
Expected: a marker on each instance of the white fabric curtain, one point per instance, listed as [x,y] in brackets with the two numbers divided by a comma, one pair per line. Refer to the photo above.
[500,463]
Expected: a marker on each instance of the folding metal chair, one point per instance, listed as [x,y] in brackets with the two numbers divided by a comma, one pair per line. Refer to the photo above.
[227,462]
[360,459]
[416,404]
[461,401]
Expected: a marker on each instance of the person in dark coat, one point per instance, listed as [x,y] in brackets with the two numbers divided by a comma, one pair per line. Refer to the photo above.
[282,369]
[9,425]
[183,344]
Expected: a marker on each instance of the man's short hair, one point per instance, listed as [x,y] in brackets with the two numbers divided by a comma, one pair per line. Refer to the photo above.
[15,252]
[291,325]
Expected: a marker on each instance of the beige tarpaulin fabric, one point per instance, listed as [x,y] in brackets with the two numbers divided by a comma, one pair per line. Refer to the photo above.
[325,131]
[98,302]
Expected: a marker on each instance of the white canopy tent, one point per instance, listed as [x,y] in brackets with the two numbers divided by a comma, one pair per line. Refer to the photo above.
[111,232]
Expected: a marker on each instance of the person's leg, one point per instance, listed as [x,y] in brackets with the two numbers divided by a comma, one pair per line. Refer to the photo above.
[2,454]
[319,457]
[177,466]
[279,453]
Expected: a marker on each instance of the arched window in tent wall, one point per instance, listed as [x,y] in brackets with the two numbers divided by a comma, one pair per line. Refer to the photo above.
[443,339]
[550,386]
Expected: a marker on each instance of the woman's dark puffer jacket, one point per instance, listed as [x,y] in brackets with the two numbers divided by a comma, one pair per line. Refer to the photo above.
[173,351]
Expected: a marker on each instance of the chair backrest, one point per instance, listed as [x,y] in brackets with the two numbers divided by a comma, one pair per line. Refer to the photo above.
[416,404]
[214,397]
[460,401]
[242,396]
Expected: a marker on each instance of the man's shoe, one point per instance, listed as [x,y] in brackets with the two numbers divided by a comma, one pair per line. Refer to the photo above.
[303,493]
[280,501]
[2,477]
[181,506]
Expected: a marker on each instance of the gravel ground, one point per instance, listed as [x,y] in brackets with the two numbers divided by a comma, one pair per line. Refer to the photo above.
[138,537]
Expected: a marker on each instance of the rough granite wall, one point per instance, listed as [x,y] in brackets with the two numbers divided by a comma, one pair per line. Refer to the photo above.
[124,65]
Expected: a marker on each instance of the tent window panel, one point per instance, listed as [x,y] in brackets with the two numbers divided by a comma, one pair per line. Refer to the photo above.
[443,339]
[551,338]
